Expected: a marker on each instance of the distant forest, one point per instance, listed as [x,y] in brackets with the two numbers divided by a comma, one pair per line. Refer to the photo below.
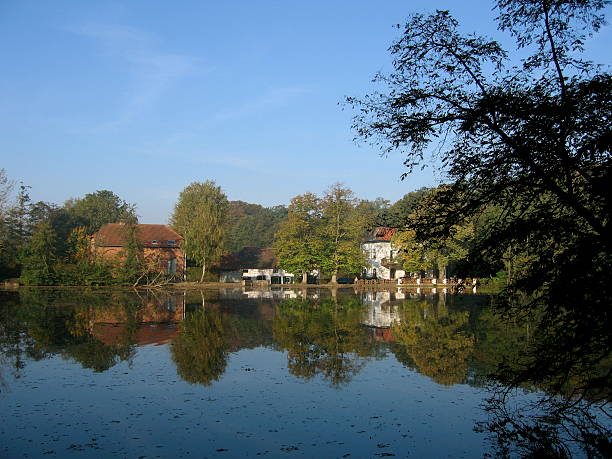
[252,225]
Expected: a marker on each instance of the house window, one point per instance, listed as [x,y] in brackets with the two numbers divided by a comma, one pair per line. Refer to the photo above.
[154,241]
[171,241]
[172,266]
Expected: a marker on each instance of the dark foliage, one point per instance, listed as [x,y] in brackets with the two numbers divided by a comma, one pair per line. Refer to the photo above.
[526,148]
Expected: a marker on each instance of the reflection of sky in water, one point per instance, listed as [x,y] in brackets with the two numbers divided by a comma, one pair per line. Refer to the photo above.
[141,407]
[256,407]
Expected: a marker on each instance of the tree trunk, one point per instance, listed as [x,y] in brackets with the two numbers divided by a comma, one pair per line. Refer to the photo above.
[334,279]
[304,277]
[203,271]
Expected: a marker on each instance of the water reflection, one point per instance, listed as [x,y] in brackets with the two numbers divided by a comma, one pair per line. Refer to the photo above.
[323,338]
[327,334]
[201,349]
[329,337]
[438,340]
[95,329]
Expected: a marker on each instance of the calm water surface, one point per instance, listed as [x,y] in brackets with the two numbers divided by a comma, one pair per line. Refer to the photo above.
[284,373]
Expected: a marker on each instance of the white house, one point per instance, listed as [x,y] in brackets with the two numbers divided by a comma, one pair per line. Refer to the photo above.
[381,255]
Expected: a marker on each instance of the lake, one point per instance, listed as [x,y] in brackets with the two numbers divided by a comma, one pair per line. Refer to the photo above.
[233,373]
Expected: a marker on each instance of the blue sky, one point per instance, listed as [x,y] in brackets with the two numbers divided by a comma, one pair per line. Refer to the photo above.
[144,97]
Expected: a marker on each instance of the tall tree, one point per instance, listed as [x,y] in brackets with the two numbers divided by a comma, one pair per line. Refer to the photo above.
[342,231]
[199,216]
[18,219]
[532,138]
[297,241]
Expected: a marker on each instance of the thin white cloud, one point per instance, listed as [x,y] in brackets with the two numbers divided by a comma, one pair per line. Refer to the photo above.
[273,98]
[153,71]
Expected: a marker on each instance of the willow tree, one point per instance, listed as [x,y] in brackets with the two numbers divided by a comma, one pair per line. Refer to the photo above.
[199,216]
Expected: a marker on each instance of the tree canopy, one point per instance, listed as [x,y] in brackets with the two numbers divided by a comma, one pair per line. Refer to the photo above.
[94,210]
[342,230]
[297,242]
[323,233]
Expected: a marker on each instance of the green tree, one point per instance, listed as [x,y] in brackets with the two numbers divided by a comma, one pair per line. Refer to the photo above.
[95,210]
[199,216]
[132,264]
[435,253]
[298,241]
[411,253]
[40,256]
[374,212]
[6,188]
[17,228]
[342,231]
[397,215]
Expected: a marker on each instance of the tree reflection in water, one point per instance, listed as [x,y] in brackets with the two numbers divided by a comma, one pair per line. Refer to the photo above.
[570,414]
[95,328]
[449,339]
[324,338]
[437,340]
[62,323]
[201,349]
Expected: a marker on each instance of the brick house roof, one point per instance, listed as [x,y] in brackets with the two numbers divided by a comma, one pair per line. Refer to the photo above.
[150,236]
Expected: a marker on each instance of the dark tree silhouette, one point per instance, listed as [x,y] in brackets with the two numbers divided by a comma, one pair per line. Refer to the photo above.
[531,139]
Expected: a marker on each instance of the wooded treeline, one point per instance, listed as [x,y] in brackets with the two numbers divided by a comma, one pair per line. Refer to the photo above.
[47,244]
[43,243]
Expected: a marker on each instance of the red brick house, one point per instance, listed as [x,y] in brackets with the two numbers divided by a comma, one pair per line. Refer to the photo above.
[160,243]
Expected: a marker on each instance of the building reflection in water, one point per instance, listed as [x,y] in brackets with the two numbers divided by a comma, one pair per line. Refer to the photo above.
[155,321]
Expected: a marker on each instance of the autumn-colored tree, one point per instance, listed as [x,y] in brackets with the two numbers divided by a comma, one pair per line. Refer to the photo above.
[199,216]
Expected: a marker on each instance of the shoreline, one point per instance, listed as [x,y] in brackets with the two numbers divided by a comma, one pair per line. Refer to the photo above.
[185,286]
